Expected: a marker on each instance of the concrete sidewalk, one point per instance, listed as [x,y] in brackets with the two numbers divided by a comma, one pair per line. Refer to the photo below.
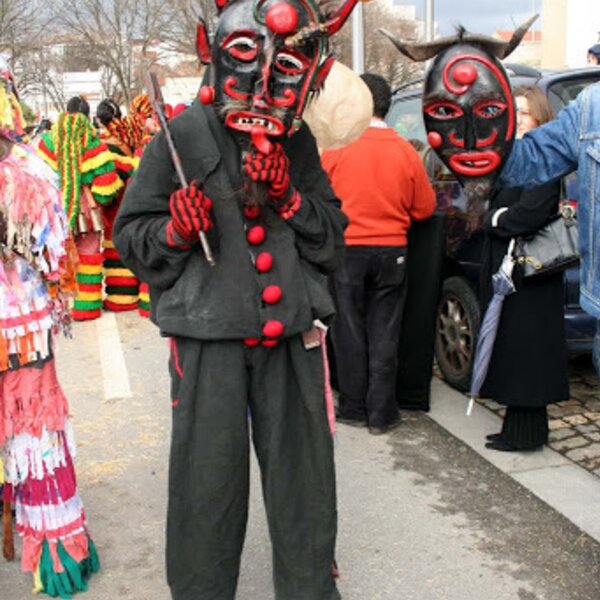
[568,488]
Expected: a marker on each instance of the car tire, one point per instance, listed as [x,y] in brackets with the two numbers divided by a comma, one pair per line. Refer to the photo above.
[457,327]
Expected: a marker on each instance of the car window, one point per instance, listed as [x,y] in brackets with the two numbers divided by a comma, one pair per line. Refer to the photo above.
[406,118]
[562,92]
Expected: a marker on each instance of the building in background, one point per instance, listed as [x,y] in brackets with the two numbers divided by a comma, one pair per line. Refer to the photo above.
[569,28]
[528,52]
[179,75]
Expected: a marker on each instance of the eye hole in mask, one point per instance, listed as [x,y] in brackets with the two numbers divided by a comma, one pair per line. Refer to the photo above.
[241,46]
[489,109]
[443,111]
[290,63]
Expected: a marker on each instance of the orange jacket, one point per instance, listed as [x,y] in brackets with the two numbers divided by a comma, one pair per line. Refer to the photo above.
[382,185]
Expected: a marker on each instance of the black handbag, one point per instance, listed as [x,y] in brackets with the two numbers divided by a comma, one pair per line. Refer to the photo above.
[552,248]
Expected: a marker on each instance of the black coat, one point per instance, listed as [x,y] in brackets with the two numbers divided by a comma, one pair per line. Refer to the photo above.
[189,298]
[528,367]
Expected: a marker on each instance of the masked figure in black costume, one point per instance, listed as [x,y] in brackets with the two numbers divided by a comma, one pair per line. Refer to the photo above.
[244,348]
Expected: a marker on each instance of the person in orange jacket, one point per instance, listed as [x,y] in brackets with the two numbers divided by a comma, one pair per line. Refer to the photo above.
[383,187]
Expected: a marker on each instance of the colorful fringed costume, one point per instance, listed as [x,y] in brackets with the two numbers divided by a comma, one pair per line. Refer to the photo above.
[36,441]
[142,107]
[87,176]
[121,136]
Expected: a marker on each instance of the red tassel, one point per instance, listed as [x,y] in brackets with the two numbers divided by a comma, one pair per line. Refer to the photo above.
[8,540]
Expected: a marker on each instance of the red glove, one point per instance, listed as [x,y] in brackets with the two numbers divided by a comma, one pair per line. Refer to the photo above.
[273,170]
[190,214]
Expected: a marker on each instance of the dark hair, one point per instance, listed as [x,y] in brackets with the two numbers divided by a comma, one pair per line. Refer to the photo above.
[107,111]
[595,50]
[381,92]
[78,104]
[538,103]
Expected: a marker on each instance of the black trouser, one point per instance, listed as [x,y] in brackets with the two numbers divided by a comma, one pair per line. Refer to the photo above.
[370,294]
[218,389]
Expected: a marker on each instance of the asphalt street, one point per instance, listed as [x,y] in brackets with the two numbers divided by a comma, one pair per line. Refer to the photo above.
[422,514]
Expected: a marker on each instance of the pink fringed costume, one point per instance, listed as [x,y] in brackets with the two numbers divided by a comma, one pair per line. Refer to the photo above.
[36,442]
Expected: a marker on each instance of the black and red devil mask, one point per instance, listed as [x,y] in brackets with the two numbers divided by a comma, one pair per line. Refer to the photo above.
[468,108]
[469,114]
[266,58]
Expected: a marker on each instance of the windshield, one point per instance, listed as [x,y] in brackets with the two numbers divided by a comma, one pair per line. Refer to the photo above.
[562,92]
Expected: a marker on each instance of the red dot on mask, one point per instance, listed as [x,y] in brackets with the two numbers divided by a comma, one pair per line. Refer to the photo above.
[465,74]
[207,94]
[434,139]
[282,18]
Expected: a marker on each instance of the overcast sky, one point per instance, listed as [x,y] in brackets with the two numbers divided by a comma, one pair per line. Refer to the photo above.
[479,16]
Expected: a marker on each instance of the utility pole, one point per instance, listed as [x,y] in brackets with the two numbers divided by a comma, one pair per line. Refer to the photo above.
[429,21]
[358,39]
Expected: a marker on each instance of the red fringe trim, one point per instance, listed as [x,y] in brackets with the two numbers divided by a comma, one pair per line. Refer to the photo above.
[76,544]
[89,287]
[114,307]
[31,399]
[121,281]
[53,489]
[85,315]
[110,254]
[106,179]
[90,259]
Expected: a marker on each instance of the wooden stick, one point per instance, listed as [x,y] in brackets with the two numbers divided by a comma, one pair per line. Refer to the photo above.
[156,100]
[8,540]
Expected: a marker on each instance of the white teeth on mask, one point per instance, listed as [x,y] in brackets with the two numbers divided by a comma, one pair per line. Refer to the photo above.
[251,121]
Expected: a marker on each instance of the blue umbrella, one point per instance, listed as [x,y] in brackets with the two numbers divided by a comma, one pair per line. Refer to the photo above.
[503,286]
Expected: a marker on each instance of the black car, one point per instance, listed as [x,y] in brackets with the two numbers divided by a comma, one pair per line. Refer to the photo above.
[459,312]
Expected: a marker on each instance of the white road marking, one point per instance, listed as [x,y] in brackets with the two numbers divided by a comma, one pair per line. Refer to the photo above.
[115,377]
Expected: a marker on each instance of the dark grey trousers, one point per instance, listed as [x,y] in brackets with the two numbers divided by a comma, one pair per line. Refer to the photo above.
[218,389]
[370,293]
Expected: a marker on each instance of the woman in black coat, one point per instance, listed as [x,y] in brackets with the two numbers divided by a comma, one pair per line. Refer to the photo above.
[528,368]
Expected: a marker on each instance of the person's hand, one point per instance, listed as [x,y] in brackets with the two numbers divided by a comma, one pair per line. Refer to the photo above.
[271,169]
[190,213]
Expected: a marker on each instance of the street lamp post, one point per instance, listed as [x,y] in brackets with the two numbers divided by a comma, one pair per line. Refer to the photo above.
[358,39]
[429,21]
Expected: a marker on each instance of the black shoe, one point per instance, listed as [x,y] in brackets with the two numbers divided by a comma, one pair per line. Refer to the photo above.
[500,445]
[492,437]
[374,430]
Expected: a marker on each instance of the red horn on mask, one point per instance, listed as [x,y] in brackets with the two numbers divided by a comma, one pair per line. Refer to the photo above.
[202,42]
[221,4]
[334,24]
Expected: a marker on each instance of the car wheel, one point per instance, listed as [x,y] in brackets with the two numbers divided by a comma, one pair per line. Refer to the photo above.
[457,326]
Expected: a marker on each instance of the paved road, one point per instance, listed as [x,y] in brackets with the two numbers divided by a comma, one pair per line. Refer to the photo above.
[422,515]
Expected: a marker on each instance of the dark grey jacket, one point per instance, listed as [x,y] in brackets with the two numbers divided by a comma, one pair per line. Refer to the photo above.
[189,298]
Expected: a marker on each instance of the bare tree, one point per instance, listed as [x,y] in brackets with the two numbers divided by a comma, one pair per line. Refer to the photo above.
[380,55]
[23,24]
[182,33]
[120,34]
